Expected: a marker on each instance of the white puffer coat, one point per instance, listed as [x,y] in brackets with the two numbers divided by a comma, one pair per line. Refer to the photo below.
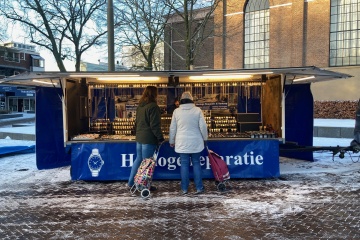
[188,129]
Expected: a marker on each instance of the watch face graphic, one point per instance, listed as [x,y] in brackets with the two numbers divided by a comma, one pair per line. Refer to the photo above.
[95,162]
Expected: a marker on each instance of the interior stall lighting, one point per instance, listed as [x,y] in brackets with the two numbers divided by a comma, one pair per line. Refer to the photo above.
[43,82]
[104,75]
[236,73]
[303,79]
[220,77]
[124,78]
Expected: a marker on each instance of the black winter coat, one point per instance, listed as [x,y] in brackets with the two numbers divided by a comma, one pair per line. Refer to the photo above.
[148,124]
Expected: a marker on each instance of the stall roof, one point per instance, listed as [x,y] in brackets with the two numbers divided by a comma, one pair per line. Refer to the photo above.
[297,75]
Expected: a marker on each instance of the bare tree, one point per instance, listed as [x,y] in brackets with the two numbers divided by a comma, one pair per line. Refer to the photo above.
[3,34]
[189,21]
[140,25]
[3,27]
[67,28]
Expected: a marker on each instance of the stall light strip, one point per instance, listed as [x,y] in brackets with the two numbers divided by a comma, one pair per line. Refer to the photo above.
[218,77]
[105,75]
[50,83]
[114,78]
[231,74]
[304,79]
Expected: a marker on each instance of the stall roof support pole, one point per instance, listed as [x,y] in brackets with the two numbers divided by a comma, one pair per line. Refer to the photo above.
[283,108]
[110,27]
[64,110]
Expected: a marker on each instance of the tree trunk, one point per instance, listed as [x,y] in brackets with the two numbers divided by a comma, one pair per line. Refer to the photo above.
[60,63]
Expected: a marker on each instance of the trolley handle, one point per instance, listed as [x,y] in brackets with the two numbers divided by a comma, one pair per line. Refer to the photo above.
[157,149]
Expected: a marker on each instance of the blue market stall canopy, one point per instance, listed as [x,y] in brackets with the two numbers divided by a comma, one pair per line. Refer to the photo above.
[297,75]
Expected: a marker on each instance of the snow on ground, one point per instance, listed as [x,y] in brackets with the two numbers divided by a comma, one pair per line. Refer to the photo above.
[320,122]
[24,130]
[19,171]
[22,168]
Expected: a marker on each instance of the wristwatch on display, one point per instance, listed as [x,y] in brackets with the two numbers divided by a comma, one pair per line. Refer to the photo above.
[95,162]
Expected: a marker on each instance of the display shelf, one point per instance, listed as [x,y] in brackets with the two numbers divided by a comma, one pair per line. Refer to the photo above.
[123,126]
[100,126]
[165,124]
[223,124]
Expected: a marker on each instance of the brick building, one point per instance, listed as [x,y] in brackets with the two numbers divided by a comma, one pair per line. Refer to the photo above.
[292,33]
[16,58]
[287,33]
[175,59]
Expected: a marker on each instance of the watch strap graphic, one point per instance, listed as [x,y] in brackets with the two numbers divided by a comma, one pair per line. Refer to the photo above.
[94,173]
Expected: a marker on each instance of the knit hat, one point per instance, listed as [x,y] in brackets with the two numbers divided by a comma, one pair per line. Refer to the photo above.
[186,95]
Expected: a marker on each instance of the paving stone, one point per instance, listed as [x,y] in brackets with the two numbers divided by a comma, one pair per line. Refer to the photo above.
[95,210]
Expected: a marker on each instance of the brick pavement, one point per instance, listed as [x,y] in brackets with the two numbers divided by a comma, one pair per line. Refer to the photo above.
[295,206]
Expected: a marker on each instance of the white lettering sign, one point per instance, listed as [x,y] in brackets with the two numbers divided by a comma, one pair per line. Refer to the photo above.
[124,159]
[172,163]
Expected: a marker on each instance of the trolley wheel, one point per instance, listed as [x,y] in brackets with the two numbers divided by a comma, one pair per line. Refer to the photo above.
[221,187]
[145,193]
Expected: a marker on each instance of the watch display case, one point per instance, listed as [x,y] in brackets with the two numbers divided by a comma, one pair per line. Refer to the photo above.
[112,109]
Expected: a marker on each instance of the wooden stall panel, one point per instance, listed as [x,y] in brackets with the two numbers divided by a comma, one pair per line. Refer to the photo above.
[271,104]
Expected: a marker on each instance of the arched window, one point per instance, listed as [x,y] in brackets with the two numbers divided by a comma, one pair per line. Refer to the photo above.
[256,49]
[345,32]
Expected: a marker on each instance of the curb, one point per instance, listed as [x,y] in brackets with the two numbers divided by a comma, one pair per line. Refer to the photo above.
[18,136]
[333,132]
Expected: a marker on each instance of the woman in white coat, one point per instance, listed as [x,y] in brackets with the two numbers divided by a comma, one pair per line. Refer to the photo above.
[188,131]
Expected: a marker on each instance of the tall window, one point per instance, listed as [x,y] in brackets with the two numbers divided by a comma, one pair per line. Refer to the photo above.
[345,33]
[256,51]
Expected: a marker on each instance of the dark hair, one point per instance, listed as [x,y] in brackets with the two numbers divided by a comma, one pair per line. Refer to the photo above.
[149,95]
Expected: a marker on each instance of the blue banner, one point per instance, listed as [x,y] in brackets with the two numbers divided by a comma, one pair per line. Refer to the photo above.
[12,150]
[50,150]
[103,161]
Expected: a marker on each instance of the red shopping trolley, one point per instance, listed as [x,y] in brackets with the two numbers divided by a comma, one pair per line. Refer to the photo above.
[219,169]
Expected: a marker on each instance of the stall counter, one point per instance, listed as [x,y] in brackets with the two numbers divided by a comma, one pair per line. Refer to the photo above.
[112,160]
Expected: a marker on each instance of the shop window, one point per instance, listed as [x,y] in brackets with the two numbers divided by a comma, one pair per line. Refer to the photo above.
[38,62]
[344,33]
[26,104]
[13,104]
[32,104]
[12,57]
[256,49]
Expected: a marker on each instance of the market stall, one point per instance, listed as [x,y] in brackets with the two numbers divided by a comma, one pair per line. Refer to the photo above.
[87,119]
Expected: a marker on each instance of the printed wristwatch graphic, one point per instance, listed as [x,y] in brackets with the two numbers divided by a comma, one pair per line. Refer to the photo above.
[95,162]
